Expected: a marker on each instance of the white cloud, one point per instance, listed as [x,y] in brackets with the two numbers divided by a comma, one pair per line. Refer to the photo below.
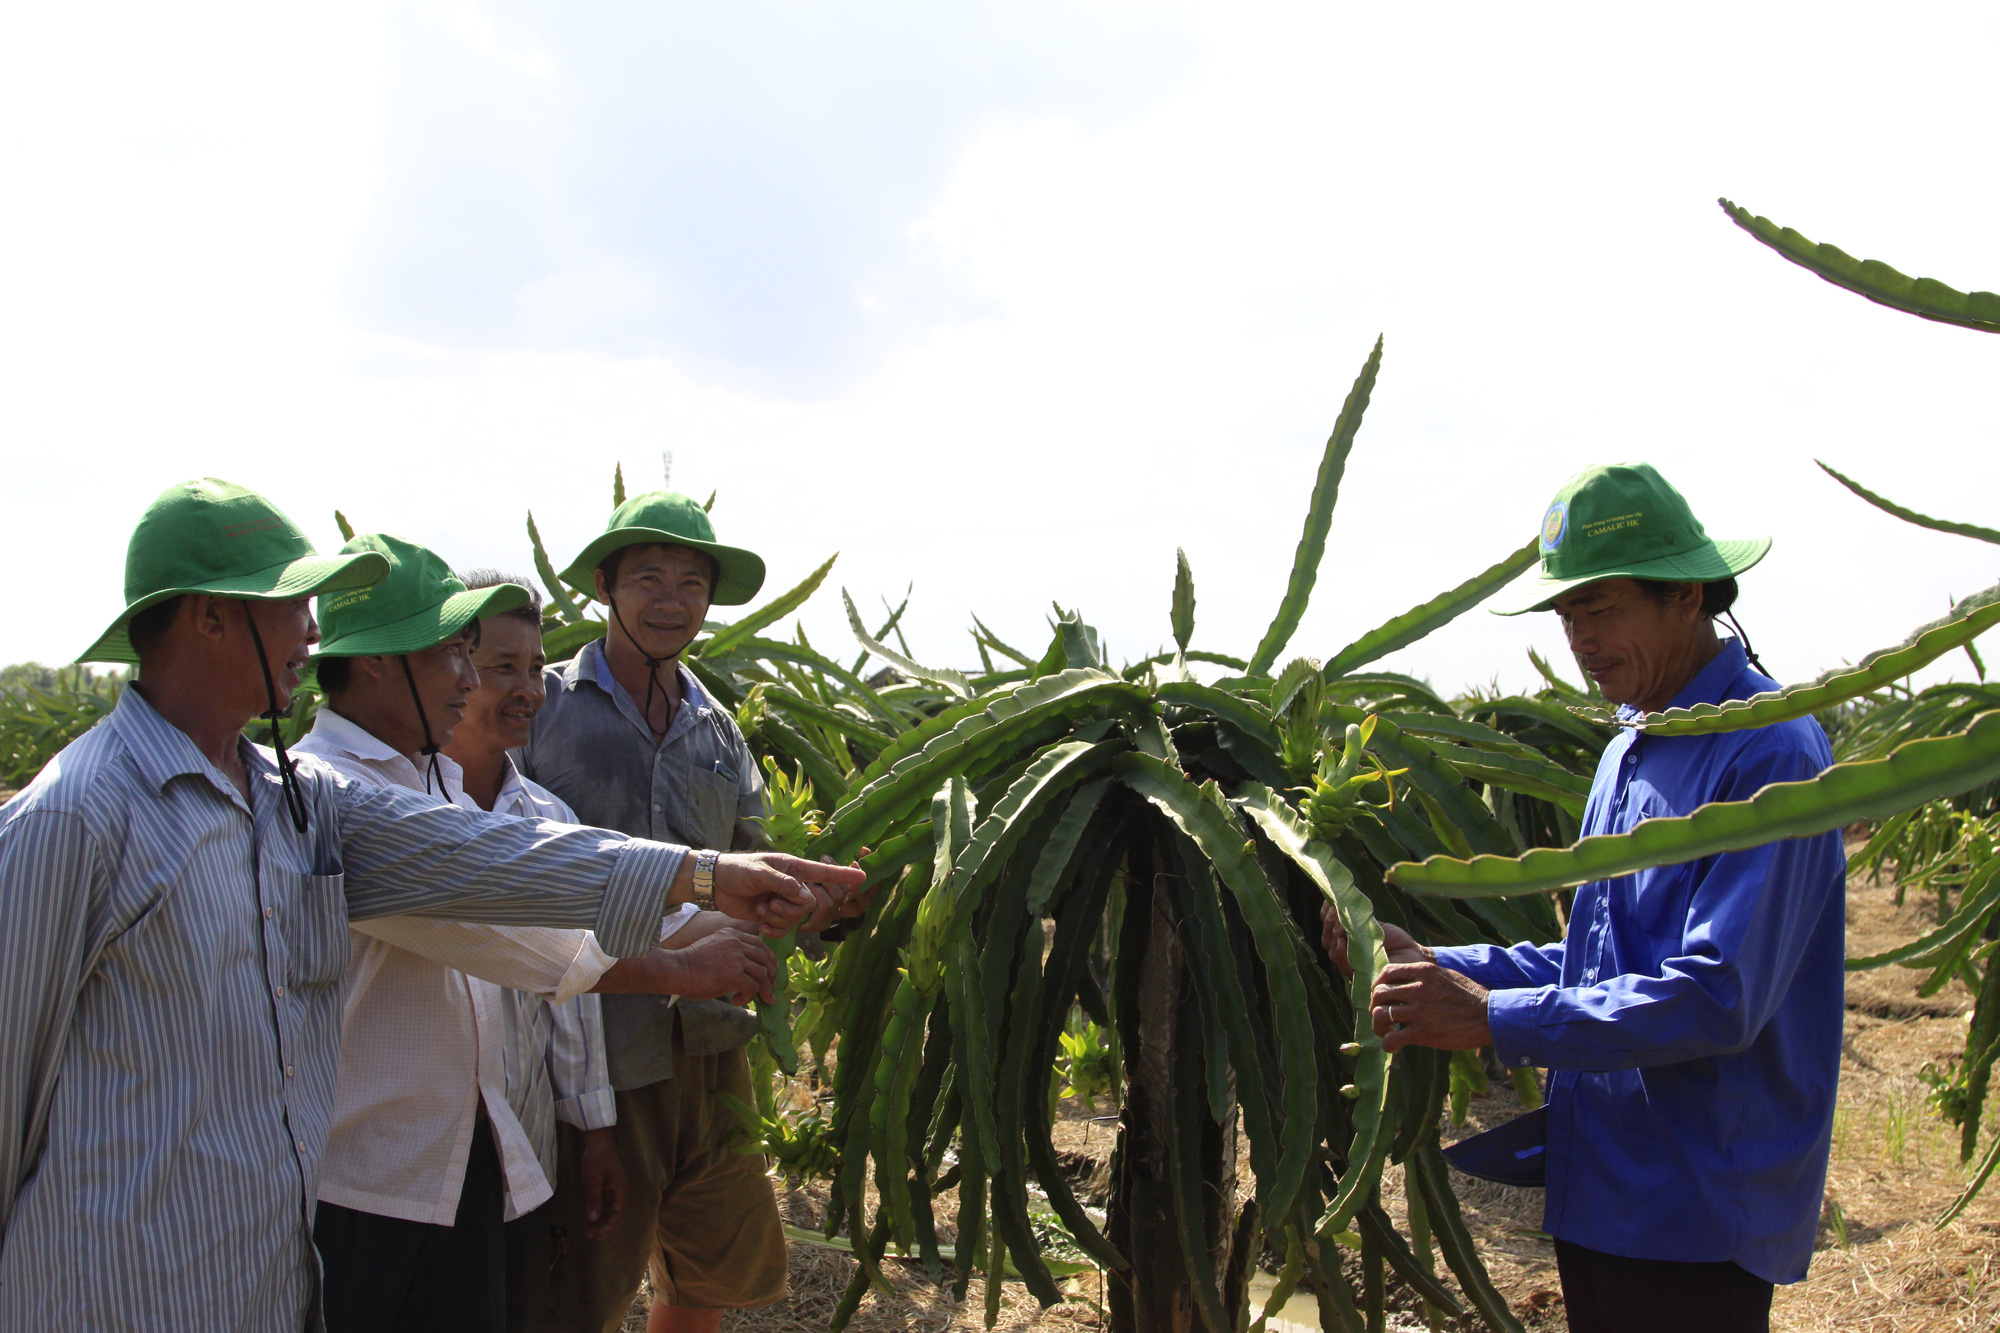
[1113,327]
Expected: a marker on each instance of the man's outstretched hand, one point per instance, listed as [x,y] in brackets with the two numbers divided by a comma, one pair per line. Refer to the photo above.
[730,963]
[1401,946]
[781,893]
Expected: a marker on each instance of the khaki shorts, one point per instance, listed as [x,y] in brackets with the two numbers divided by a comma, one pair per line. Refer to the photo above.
[701,1218]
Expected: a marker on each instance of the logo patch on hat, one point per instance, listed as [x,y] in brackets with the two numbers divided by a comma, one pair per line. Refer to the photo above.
[1555,526]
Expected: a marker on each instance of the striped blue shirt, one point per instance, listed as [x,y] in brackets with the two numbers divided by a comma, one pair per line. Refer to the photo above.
[555,1053]
[171,967]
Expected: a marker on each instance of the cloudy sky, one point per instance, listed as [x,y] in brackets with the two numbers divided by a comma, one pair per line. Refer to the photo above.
[1008,300]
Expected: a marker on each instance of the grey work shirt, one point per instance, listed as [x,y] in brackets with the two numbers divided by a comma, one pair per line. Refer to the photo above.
[698,786]
[172,960]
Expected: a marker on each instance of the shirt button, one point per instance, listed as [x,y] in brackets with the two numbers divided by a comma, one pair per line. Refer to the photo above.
[288,1071]
[267,914]
[301,1145]
[279,992]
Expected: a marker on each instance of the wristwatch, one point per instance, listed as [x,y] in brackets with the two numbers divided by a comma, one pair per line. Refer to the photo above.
[704,878]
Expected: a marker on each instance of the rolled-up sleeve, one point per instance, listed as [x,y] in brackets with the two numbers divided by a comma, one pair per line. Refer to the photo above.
[578,1071]
[404,854]
[48,870]
[1743,933]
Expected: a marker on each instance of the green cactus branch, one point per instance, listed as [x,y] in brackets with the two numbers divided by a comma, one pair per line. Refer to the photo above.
[1925,297]
[1319,517]
[1918,771]
[1972,530]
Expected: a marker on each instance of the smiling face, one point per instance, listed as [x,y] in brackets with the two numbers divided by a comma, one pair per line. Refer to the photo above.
[1640,649]
[661,597]
[500,713]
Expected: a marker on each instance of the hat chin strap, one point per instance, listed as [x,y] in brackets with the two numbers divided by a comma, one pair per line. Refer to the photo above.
[424,719]
[1748,652]
[288,777]
[653,665]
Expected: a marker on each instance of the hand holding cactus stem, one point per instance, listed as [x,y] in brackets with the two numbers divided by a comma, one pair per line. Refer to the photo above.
[1398,943]
[1415,1002]
[1422,1004]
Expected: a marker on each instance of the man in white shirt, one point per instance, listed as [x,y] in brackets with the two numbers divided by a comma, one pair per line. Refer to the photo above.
[428,1155]
[555,1053]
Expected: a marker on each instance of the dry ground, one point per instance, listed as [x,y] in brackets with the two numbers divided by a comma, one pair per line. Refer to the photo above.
[1894,1168]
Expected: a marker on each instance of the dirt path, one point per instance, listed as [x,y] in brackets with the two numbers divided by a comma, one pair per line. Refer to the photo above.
[1881,1265]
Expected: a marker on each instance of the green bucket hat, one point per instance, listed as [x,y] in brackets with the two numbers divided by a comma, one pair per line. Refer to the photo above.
[419,605]
[209,536]
[1622,520]
[672,519]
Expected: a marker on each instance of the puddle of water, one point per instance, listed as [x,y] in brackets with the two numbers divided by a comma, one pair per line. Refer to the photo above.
[1301,1312]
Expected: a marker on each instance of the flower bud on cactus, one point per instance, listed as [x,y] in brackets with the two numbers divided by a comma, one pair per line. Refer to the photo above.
[924,958]
[1335,800]
[792,824]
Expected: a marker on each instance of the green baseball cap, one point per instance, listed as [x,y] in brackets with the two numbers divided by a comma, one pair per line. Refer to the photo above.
[1622,520]
[210,536]
[419,605]
[671,519]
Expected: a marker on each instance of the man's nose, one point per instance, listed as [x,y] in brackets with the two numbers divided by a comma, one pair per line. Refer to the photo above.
[312,630]
[468,676]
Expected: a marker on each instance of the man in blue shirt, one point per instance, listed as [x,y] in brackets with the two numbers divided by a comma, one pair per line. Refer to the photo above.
[1691,1020]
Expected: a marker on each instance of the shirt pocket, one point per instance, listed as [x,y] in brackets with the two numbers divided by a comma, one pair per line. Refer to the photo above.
[712,795]
[312,916]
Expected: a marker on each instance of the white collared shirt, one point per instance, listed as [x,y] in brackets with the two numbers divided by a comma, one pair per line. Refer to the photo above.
[424,1029]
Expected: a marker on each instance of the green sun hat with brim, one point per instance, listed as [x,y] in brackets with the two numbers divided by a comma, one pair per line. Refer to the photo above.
[214,537]
[419,605]
[671,519]
[1623,520]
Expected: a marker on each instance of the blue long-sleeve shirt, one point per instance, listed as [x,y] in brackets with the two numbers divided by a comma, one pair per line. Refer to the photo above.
[1691,1020]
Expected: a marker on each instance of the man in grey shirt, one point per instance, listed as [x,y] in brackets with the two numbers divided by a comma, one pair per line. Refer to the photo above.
[629,740]
[174,908]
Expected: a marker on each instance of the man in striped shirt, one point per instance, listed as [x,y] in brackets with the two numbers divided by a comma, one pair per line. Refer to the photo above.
[174,909]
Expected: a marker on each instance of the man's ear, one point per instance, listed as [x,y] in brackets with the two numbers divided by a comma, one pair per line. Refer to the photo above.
[373,667]
[1689,604]
[205,612]
[603,593]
